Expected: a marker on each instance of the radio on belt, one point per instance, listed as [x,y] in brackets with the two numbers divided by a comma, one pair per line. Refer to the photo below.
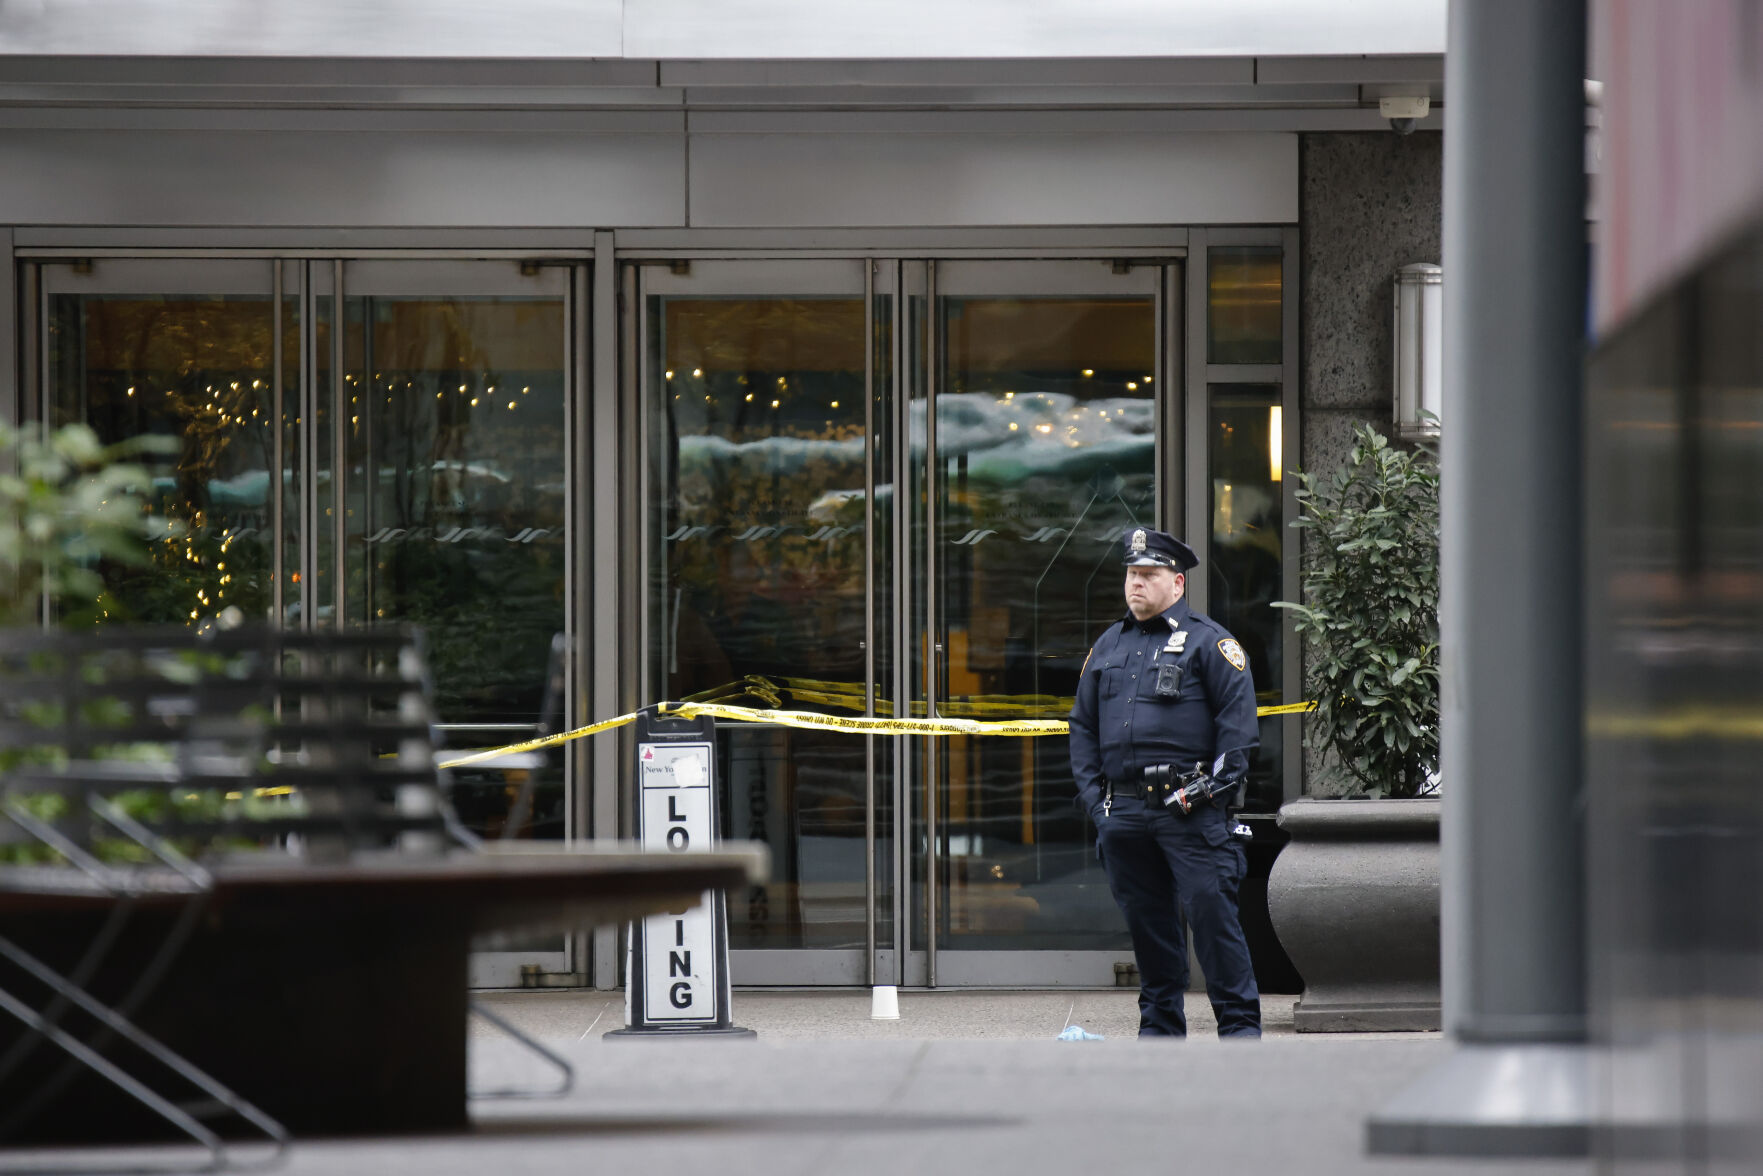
[676,975]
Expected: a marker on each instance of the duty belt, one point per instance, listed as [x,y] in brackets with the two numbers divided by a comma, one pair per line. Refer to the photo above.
[1133,782]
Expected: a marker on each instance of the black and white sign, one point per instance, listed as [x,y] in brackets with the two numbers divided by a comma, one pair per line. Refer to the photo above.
[677,981]
[679,986]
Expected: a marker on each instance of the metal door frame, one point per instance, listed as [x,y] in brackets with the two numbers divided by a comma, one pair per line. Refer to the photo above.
[1200,376]
[914,277]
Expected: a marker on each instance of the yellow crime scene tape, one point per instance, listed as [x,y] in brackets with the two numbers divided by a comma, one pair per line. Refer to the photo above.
[850,696]
[843,694]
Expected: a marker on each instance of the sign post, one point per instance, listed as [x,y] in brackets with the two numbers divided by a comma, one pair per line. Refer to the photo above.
[676,975]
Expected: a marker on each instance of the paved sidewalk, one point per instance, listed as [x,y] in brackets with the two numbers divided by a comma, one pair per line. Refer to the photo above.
[827,1014]
[965,1083]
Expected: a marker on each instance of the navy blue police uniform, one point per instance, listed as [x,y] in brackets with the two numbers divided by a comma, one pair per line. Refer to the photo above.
[1159,859]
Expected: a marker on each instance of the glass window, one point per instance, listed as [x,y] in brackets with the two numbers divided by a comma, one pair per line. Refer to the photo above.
[1243,304]
[1244,562]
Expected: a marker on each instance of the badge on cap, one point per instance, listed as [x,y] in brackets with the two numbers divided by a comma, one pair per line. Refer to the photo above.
[1138,543]
[1233,653]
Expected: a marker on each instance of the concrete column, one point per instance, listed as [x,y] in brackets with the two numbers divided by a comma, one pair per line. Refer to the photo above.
[1515,321]
[1512,879]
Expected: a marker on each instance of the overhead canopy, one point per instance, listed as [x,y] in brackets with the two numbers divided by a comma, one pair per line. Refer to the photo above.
[677,30]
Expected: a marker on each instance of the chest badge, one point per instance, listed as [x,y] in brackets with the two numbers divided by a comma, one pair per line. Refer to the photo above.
[1177,641]
[1233,653]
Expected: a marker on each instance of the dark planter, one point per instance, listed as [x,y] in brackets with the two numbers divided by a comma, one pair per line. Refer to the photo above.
[1354,898]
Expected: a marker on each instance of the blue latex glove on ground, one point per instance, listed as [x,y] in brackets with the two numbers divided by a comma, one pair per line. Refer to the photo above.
[1077,1033]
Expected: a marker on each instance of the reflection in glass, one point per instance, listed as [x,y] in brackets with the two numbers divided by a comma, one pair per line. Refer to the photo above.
[1044,454]
[455,496]
[198,369]
[1244,560]
[1243,311]
[758,411]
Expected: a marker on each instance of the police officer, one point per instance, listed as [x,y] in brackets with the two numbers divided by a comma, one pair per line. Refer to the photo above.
[1169,686]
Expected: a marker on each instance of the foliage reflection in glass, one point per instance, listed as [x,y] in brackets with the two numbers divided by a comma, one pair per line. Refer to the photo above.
[196,369]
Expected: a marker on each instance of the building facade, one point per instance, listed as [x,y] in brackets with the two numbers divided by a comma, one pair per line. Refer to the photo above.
[822,381]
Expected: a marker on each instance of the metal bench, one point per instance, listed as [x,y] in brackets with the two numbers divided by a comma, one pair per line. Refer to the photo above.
[235,895]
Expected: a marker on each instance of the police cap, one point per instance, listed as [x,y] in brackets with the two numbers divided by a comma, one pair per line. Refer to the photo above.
[1156,549]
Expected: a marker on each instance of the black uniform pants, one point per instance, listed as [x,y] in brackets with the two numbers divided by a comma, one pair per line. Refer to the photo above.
[1161,863]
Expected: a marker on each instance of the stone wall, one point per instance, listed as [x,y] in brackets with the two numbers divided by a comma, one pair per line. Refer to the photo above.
[1369,203]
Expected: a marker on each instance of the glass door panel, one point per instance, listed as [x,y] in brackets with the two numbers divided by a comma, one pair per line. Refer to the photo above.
[755,382]
[1245,566]
[456,377]
[1044,449]
[426,484]
[453,489]
[184,350]
[456,471]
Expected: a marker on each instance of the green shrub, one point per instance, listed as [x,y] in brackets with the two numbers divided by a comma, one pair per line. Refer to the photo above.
[68,503]
[1369,620]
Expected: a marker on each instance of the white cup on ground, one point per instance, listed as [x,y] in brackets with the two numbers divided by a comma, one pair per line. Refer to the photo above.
[884,1003]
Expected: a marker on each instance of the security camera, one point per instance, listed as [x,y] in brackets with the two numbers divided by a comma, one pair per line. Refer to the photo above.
[1403,112]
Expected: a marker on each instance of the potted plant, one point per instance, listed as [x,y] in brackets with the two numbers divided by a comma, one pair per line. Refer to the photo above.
[1354,895]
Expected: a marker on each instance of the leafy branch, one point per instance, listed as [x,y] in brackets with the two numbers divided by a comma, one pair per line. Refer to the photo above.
[67,503]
